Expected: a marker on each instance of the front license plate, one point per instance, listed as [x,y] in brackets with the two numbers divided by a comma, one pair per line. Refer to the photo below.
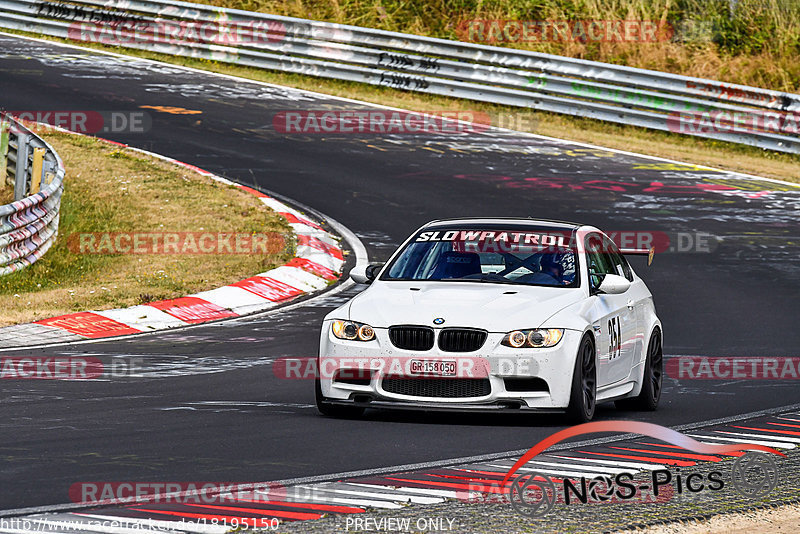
[433,367]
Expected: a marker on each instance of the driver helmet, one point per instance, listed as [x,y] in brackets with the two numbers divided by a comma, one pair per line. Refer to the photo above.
[550,261]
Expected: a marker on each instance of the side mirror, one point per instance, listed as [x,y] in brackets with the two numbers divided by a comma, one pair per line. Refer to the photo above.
[613,284]
[365,274]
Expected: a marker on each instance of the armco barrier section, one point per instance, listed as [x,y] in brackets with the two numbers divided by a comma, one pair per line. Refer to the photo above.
[29,225]
[650,99]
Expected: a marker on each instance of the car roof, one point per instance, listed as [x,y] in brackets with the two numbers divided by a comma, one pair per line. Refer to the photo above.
[515,221]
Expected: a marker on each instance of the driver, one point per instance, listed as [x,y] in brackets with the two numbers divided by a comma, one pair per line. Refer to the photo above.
[550,265]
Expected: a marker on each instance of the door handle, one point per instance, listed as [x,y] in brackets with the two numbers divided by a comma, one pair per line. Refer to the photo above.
[630,304]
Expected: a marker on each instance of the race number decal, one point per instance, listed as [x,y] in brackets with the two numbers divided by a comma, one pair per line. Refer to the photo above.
[615,338]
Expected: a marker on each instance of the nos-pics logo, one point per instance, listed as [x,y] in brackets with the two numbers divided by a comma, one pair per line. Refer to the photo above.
[533,494]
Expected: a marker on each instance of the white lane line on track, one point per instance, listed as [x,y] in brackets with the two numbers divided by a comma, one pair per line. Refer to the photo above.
[767,437]
[75,524]
[629,465]
[364,503]
[574,467]
[558,472]
[450,494]
[716,439]
[257,404]
[389,493]
[161,525]
[392,497]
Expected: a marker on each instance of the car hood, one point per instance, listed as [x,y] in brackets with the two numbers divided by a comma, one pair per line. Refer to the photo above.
[492,307]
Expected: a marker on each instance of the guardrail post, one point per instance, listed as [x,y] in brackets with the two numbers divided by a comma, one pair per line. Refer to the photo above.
[4,127]
[49,170]
[36,170]
[21,176]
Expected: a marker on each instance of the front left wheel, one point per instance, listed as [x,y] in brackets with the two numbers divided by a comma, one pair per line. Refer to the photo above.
[648,399]
[583,397]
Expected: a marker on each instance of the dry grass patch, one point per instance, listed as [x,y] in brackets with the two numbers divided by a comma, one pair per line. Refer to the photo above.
[6,193]
[109,189]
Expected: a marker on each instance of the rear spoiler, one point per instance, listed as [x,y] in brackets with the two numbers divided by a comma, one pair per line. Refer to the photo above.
[649,252]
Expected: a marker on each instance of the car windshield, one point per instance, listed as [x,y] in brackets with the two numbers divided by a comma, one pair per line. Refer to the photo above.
[528,256]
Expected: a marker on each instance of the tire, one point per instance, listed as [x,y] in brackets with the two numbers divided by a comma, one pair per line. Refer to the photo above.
[583,396]
[648,399]
[334,410]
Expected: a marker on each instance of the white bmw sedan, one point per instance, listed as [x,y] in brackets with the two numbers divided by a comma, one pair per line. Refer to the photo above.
[497,315]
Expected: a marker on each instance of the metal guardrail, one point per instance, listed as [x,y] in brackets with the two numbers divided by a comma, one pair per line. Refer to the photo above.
[620,94]
[29,225]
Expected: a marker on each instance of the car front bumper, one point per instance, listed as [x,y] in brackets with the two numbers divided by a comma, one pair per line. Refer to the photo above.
[494,378]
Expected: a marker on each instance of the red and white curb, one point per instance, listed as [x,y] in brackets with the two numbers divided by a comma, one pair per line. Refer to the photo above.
[318,261]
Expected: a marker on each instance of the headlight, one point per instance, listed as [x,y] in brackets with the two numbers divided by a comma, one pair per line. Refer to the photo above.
[352,331]
[537,338]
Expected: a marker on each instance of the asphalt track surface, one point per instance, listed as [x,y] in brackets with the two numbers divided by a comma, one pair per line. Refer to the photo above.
[208,406]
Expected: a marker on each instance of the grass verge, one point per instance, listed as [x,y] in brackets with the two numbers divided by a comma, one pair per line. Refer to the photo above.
[728,156]
[111,189]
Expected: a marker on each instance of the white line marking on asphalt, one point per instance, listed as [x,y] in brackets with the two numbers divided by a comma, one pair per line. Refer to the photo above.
[391,494]
[632,465]
[549,471]
[575,467]
[366,503]
[405,489]
[761,436]
[258,404]
[160,525]
[781,445]
[392,497]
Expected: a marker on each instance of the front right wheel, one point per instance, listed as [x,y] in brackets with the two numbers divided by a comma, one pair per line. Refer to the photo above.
[583,397]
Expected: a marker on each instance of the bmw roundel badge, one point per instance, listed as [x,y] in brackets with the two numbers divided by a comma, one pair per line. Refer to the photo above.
[438,320]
